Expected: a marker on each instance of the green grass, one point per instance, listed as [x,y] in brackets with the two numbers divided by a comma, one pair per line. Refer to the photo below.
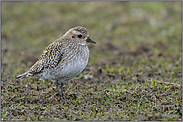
[134,71]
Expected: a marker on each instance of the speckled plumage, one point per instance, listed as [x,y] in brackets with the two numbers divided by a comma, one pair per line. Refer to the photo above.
[63,59]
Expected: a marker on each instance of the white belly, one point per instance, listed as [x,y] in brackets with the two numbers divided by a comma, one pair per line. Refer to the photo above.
[68,71]
[74,68]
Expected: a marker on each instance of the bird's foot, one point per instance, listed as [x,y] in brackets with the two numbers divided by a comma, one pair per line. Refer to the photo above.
[57,94]
[52,96]
[62,97]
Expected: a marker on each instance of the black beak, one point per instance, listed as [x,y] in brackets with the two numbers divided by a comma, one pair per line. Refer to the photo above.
[89,40]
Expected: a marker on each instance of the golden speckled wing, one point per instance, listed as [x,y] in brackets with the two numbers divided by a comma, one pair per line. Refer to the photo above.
[50,57]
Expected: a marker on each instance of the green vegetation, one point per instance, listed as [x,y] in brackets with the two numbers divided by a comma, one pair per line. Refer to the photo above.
[134,71]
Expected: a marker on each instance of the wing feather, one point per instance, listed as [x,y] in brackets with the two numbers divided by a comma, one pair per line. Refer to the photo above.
[50,58]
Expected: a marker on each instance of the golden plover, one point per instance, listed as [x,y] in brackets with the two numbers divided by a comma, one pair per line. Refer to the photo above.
[63,59]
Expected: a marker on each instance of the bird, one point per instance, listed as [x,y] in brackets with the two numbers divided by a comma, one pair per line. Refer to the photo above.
[63,59]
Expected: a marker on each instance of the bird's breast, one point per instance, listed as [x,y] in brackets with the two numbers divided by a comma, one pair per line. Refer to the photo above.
[73,65]
[77,65]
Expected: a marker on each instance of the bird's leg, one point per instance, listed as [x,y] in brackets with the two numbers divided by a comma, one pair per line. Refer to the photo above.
[62,96]
[57,85]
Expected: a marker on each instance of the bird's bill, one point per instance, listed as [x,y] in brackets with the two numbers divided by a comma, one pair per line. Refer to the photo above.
[89,40]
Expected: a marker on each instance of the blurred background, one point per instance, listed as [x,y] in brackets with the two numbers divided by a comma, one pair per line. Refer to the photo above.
[134,39]
[28,27]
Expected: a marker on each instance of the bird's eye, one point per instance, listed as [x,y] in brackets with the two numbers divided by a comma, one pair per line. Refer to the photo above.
[79,35]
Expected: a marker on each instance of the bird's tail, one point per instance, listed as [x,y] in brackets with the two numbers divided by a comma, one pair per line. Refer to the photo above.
[22,75]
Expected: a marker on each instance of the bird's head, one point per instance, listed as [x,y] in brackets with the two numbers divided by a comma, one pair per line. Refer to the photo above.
[79,35]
